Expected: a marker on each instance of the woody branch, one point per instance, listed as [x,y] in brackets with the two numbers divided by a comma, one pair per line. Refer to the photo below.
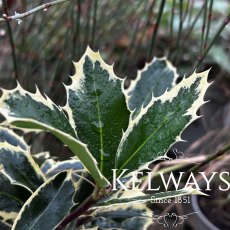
[19,16]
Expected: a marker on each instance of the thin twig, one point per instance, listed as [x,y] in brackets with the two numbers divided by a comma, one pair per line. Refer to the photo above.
[145,183]
[190,12]
[171,26]
[87,26]
[154,34]
[19,16]
[211,158]
[148,22]
[180,23]
[180,49]
[128,50]
[200,59]
[208,24]
[94,22]
[170,166]
[179,30]
[89,202]
[131,44]
[76,31]
[187,35]
[59,65]
[31,23]
[11,41]
[186,11]
[200,142]
[203,28]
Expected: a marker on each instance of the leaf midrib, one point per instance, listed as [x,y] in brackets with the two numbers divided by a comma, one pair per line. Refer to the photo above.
[145,142]
[141,146]
[39,217]
[100,126]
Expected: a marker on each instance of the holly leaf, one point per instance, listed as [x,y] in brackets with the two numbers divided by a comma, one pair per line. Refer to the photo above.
[97,107]
[34,112]
[48,205]
[156,77]
[61,166]
[8,136]
[17,163]
[12,198]
[41,157]
[160,124]
[129,196]
[121,217]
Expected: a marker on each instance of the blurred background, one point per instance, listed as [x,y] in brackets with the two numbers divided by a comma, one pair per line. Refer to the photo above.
[192,34]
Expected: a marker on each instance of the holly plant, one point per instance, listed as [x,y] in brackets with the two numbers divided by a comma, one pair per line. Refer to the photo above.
[108,129]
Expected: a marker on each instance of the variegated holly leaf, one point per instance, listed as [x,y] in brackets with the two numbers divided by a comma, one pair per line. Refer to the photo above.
[8,136]
[34,112]
[125,216]
[61,166]
[17,163]
[41,158]
[12,198]
[156,77]
[48,205]
[98,108]
[19,167]
[137,196]
[47,165]
[160,124]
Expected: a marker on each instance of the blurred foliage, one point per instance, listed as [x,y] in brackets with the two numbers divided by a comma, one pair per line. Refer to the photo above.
[47,42]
